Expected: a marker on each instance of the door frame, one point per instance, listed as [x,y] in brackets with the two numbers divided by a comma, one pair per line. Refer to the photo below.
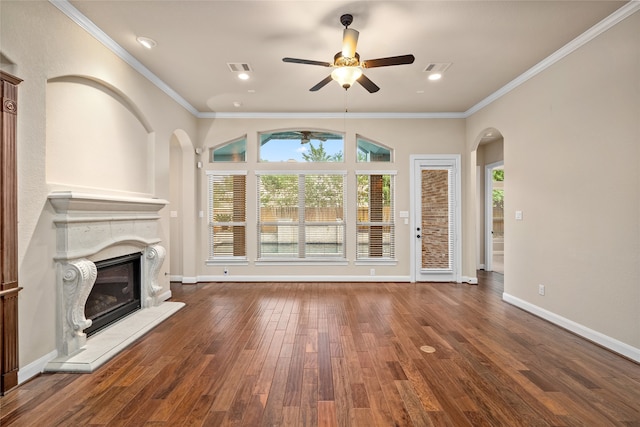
[488,213]
[415,163]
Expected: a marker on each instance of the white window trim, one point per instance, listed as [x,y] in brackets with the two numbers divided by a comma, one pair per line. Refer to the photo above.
[226,173]
[225,260]
[301,172]
[376,172]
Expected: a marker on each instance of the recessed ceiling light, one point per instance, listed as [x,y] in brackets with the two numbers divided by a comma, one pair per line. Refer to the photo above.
[436,70]
[237,104]
[146,42]
[243,76]
[251,90]
[419,91]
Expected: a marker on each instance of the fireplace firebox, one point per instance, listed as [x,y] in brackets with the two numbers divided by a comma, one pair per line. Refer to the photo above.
[115,293]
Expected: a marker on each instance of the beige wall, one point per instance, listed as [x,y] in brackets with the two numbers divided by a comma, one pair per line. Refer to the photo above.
[88,122]
[572,155]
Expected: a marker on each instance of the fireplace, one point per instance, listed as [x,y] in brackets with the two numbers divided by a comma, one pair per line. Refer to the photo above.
[115,293]
[109,264]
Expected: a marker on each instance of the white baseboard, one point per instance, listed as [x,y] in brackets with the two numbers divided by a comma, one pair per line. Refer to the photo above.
[165,295]
[232,278]
[183,279]
[469,280]
[36,367]
[608,342]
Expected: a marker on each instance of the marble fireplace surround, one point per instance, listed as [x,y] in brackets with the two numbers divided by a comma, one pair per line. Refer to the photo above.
[91,228]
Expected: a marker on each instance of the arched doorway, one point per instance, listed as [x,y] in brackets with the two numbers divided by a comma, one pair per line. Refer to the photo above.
[182,209]
[491,193]
[494,216]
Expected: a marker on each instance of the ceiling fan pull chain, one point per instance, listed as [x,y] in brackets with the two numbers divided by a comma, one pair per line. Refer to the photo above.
[346,104]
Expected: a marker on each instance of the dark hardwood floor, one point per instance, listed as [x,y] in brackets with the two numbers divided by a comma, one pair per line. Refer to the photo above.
[347,354]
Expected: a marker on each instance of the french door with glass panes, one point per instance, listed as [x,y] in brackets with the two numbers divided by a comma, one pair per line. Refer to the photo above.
[436,220]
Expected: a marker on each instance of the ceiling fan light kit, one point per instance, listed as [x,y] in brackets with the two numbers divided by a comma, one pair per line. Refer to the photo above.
[348,68]
[346,76]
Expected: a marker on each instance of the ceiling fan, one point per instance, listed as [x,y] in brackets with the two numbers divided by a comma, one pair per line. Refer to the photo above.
[347,65]
[304,136]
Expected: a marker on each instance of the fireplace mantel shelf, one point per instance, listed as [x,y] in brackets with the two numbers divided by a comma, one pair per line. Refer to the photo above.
[72,202]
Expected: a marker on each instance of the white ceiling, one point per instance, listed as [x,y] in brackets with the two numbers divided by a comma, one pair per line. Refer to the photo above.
[489,43]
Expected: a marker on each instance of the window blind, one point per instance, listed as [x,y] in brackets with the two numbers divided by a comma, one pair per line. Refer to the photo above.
[227,216]
[376,216]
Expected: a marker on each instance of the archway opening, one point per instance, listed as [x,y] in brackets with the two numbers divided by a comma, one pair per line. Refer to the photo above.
[182,185]
[491,197]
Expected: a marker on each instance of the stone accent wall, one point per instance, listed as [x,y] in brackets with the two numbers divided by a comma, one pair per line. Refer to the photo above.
[435,219]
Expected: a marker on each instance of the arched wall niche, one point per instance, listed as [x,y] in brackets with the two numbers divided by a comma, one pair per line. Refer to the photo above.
[7,64]
[97,138]
[109,90]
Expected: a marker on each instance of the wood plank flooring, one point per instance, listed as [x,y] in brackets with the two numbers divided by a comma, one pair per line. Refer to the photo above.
[342,354]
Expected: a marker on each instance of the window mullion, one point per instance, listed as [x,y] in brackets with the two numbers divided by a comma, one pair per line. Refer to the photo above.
[301,217]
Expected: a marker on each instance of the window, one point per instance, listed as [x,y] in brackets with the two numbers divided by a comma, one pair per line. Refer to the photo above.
[301,216]
[227,216]
[234,151]
[301,146]
[369,151]
[376,216]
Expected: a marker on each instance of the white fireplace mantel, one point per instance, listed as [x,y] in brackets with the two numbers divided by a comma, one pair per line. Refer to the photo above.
[90,228]
[90,223]
[76,202]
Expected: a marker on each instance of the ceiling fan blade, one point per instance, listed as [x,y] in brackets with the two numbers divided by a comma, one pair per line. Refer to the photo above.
[349,42]
[306,61]
[322,84]
[366,83]
[385,62]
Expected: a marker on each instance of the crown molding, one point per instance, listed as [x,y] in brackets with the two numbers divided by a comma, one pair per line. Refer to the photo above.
[602,26]
[344,115]
[74,14]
